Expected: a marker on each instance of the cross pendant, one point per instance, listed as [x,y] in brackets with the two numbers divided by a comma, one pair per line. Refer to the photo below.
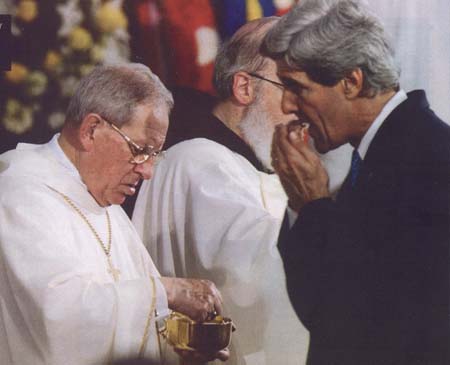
[115,273]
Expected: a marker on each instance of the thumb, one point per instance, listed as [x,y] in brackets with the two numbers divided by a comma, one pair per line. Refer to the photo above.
[294,136]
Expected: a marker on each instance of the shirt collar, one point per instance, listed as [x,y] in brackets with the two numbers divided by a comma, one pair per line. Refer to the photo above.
[61,157]
[49,164]
[74,187]
[396,100]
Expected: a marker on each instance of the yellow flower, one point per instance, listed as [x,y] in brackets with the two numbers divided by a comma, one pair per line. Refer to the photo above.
[80,39]
[109,18]
[18,118]
[27,10]
[97,54]
[69,85]
[17,74]
[36,83]
[52,60]
[86,69]
[56,120]
[13,107]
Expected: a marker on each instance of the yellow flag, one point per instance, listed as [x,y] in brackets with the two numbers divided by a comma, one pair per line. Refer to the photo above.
[254,10]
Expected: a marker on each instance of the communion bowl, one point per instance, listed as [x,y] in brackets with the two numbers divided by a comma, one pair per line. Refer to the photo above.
[210,336]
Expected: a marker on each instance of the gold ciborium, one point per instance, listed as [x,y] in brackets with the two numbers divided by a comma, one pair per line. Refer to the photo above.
[210,336]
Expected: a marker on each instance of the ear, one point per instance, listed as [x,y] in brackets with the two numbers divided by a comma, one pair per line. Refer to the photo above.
[86,132]
[352,84]
[243,90]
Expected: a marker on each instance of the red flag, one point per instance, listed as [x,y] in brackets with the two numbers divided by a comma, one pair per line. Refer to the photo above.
[192,42]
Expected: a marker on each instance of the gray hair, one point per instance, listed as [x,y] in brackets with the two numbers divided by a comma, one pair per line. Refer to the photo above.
[328,39]
[114,91]
[241,53]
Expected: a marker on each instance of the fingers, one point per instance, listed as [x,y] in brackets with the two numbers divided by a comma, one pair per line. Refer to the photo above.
[196,357]
[285,156]
[199,306]
[299,141]
[223,355]
[282,150]
[198,299]
[210,299]
[290,148]
[290,143]
[279,162]
[299,168]
[217,297]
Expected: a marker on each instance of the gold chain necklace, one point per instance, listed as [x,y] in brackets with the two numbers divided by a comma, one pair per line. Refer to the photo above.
[115,273]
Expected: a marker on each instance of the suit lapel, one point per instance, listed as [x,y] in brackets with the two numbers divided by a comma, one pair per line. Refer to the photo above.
[386,148]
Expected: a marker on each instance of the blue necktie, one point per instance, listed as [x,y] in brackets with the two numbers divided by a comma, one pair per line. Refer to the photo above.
[354,167]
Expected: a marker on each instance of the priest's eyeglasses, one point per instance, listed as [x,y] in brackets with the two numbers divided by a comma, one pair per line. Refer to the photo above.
[278,84]
[140,154]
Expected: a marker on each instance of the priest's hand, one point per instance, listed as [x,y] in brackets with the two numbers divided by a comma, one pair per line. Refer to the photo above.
[198,299]
[199,358]
[299,167]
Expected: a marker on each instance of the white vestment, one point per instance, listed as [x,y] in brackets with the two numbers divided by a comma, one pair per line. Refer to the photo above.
[208,213]
[59,303]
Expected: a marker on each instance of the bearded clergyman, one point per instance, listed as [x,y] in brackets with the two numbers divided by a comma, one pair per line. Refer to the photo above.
[213,210]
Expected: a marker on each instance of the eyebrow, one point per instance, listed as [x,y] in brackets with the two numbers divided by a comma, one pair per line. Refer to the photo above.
[157,140]
[289,82]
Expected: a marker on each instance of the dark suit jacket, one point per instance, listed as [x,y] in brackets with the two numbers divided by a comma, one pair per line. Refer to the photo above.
[368,273]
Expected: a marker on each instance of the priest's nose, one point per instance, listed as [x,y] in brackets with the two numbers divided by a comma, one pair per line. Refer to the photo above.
[145,169]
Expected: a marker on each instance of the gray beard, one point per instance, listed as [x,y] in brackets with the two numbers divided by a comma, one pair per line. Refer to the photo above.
[258,132]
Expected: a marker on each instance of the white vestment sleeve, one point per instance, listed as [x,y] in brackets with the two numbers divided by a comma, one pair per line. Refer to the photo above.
[59,306]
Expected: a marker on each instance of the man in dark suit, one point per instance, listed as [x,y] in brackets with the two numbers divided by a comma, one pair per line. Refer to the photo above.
[367,272]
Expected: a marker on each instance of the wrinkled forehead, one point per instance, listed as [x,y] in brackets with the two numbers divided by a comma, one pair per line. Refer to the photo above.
[150,123]
[156,125]
[287,72]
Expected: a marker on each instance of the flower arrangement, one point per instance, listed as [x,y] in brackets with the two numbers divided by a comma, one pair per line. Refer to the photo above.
[55,43]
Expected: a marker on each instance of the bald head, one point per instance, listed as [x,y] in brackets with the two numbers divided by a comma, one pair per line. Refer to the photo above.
[242,52]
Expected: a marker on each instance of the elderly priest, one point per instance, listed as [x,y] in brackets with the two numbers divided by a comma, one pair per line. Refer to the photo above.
[76,284]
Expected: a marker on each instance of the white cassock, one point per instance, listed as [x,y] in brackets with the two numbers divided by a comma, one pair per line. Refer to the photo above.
[208,213]
[59,301]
